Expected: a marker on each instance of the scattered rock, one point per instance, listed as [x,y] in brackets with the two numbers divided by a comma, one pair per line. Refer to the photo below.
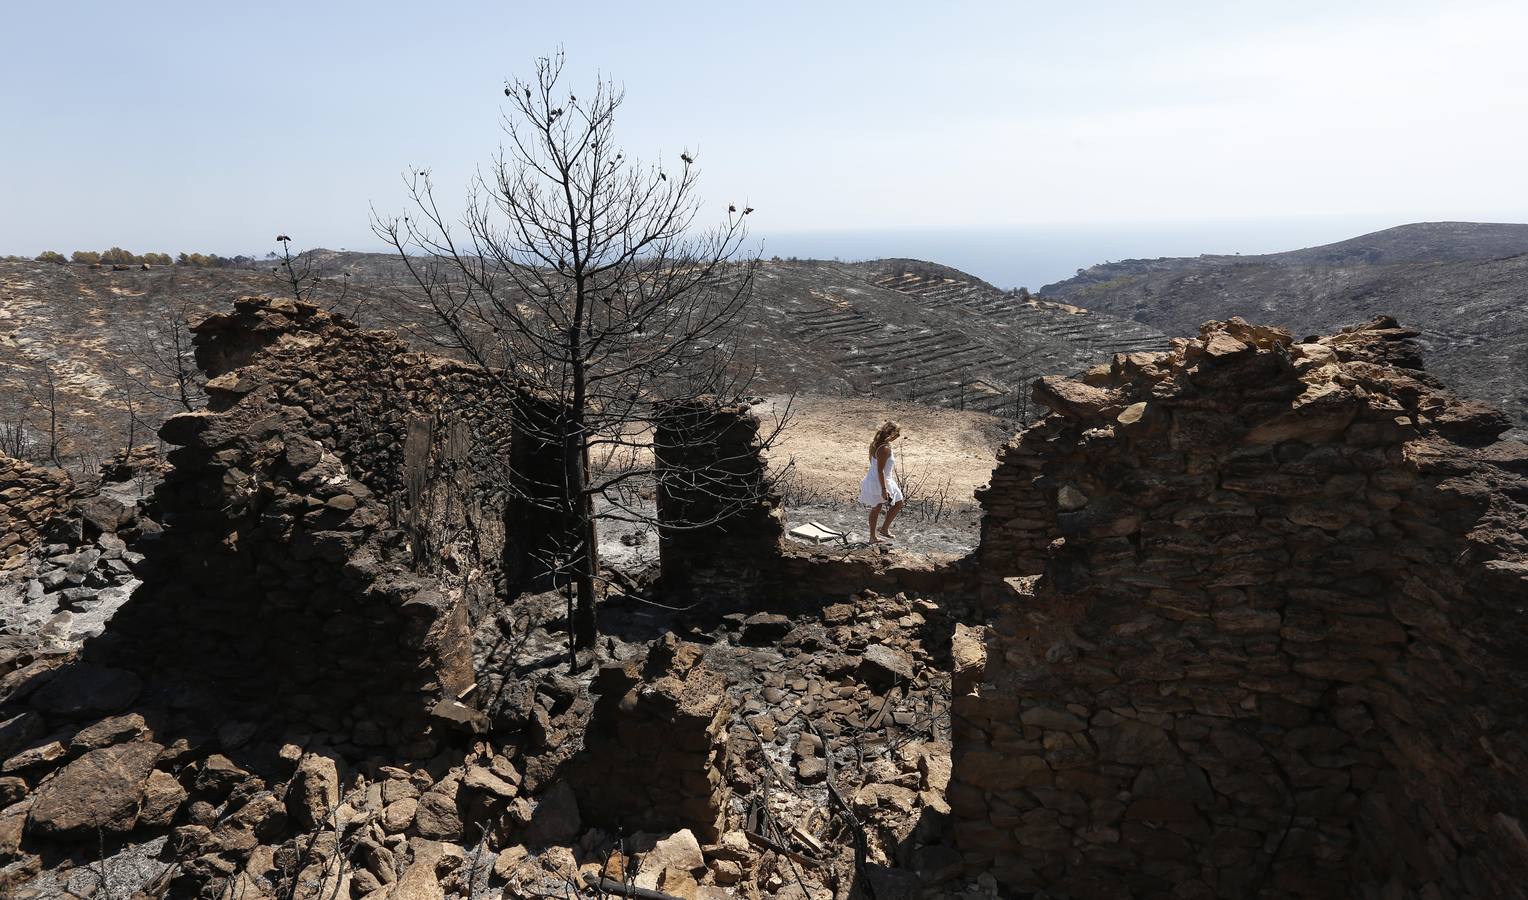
[315,791]
[760,629]
[37,755]
[884,667]
[162,797]
[399,815]
[437,816]
[109,731]
[484,781]
[677,851]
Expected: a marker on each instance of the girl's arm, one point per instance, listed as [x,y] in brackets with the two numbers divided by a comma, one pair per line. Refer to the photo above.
[881,455]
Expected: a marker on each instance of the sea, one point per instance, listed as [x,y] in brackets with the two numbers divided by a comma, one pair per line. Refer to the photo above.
[1012,256]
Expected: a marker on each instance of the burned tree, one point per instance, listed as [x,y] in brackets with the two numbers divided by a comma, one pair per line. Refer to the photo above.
[304,277]
[168,363]
[578,271]
[44,394]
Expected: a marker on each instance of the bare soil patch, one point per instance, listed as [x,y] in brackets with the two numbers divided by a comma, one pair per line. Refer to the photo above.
[829,443]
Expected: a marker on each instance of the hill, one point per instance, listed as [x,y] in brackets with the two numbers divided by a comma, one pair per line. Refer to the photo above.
[892,330]
[1463,285]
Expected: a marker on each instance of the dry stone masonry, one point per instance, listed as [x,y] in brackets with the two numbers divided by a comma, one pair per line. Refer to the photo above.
[1246,621]
[70,567]
[335,524]
[1258,631]
[726,522]
[655,754]
[31,497]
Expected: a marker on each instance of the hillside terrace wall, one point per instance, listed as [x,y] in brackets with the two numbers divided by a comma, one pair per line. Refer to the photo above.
[1258,632]
[335,523]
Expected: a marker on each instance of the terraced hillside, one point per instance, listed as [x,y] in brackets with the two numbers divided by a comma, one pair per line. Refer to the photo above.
[910,330]
[891,329]
[1464,285]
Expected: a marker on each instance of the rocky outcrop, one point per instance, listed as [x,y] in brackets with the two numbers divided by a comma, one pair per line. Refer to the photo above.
[1257,631]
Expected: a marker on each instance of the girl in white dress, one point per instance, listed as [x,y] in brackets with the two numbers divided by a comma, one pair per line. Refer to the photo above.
[879,488]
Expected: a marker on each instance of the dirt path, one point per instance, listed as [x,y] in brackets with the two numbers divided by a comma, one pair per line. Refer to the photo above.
[829,441]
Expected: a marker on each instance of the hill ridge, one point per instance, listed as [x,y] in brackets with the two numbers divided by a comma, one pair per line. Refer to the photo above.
[1462,284]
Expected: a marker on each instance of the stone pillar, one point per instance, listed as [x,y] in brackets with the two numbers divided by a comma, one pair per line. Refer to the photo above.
[655,754]
[535,524]
[721,524]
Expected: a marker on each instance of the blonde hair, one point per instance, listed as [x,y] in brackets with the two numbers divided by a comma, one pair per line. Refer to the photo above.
[883,434]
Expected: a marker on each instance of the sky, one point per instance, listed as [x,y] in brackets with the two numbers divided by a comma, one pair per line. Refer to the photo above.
[213,126]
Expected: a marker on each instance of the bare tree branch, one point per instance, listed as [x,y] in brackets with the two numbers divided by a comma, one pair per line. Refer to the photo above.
[580,272]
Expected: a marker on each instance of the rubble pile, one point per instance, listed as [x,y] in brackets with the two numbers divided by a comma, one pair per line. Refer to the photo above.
[852,700]
[1257,631]
[77,568]
[103,779]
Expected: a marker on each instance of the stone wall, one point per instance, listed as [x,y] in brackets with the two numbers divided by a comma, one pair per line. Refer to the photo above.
[1258,632]
[724,526]
[31,498]
[334,527]
[655,753]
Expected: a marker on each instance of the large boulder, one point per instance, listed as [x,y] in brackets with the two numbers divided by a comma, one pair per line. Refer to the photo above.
[101,791]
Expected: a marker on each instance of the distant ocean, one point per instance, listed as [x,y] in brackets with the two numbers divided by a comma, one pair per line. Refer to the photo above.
[1012,256]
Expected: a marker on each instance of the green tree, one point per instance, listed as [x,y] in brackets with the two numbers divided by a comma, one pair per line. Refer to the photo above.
[85,256]
[51,256]
[118,256]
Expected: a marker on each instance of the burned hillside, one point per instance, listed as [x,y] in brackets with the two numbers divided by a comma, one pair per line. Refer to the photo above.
[1244,622]
[110,341]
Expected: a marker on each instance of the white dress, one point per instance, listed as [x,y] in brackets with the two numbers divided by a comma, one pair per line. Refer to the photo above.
[870,487]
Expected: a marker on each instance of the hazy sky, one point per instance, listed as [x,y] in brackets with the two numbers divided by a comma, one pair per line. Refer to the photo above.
[181,126]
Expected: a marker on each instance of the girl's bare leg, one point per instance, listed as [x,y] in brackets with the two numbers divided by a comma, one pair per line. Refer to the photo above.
[890,514]
[875,513]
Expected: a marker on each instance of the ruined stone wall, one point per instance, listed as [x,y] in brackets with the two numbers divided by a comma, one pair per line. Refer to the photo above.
[725,523]
[334,524]
[1258,632]
[655,754]
[31,497]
